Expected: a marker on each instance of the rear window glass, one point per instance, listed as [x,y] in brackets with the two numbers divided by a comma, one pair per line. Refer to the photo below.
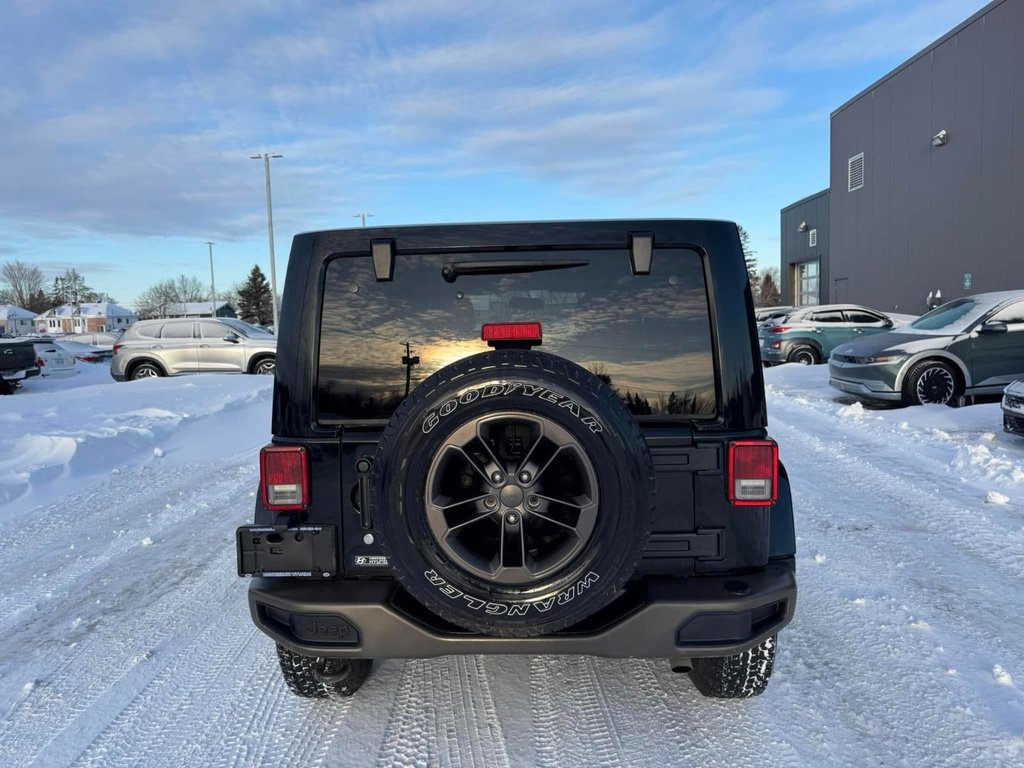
[148,331]
[177,331]
[648,336]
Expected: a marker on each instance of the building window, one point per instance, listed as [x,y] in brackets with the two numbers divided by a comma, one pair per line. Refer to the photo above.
[812,239]
[855,172]
[805,280]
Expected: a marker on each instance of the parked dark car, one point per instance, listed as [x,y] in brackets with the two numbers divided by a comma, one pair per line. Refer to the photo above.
[520,438]
[1013,408]
[808,335]
[969,346]
[17,363]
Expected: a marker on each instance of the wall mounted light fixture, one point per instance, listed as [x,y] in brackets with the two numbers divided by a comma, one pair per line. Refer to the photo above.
[802,227]
[940,138]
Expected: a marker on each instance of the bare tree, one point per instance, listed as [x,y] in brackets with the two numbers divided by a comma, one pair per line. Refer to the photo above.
[190,289]
[22,282]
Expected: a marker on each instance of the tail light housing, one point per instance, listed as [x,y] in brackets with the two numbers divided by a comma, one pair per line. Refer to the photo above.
[753,476]
[117,347]
[40,362]
[778,329]
[284,477]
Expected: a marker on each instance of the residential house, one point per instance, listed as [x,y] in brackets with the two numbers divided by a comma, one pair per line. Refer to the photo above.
[199,309]
[15,321]
[85,318]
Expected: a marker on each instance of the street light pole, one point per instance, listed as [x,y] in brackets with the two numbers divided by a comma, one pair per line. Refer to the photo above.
[266,157]
[363,216]
[213,285]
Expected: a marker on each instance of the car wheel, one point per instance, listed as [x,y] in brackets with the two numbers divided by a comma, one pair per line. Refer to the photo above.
[804,354]
[146,371]
[741,676]
[265,367]
[931,383]
[317,678]
[514,493]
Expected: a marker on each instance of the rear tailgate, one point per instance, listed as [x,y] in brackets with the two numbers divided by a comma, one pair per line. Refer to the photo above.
[16,356]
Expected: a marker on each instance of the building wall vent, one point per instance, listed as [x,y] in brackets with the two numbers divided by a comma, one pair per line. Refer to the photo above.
[855,172]
[812,238]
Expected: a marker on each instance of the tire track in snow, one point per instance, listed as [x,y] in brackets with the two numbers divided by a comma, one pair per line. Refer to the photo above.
[572,720]
[444,714]
[120,640]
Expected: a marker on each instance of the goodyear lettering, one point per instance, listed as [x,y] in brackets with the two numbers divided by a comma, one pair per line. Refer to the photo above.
[433,417]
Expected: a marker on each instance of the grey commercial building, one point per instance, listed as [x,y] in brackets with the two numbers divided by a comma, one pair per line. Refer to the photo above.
[926,188]
[805,252]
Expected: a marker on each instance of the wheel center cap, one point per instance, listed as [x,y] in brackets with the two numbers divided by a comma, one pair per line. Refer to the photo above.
[511,495]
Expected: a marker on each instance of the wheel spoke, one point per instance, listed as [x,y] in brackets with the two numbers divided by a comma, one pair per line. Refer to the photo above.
[558,512]
[460,513]
[513,554]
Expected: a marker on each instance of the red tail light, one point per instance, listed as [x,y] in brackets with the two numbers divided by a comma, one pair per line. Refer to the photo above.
[117,347]
[40,362]
[88,358]
[511,332]
[753,475]
[284,477]
[778,329]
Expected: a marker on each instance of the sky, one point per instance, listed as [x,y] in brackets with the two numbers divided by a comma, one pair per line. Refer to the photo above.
[128,127]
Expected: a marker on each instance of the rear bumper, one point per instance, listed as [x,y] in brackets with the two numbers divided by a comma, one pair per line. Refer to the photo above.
[19,375]
[661,618]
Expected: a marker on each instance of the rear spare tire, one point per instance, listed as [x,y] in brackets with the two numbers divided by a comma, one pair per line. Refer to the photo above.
[514,493]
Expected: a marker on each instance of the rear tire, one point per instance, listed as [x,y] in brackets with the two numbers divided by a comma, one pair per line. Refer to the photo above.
[804,354]
[313,677]
[741,676]
[932,382]
[264,367]
[146,371]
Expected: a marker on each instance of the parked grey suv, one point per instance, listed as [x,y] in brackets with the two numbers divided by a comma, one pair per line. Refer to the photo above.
[152,348]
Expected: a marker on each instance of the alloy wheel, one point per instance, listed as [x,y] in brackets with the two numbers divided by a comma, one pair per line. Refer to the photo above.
[511,497]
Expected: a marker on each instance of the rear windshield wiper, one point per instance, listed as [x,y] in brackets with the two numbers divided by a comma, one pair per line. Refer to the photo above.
[451,271]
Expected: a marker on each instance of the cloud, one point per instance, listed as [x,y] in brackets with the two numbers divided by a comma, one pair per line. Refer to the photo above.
[138,119]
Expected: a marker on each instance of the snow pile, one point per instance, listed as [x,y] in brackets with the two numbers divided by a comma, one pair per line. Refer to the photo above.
[968,441]
[55,435]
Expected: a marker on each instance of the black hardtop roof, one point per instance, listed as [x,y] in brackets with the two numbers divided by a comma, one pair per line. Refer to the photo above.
[612,233]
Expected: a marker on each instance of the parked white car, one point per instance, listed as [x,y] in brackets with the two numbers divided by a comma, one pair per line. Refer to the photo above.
[101,339]
[53,360]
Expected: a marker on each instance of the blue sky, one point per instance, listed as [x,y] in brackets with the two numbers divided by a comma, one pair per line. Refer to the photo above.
[127,127]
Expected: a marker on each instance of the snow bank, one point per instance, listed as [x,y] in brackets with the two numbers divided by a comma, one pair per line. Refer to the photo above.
[59,433]
[967,441]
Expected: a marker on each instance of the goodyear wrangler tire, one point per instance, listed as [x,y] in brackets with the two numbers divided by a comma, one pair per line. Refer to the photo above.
[514,493]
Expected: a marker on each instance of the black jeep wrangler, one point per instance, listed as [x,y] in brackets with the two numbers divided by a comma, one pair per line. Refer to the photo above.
[537,438]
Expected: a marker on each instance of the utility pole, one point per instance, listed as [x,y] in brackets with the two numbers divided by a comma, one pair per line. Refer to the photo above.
[266,157]
[409,361]
[363,216]
[213,286]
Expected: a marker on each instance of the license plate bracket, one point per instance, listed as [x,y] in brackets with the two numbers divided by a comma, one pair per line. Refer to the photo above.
[275,551]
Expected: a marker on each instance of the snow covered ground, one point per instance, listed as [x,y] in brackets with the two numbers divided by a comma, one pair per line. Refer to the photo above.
[125,639]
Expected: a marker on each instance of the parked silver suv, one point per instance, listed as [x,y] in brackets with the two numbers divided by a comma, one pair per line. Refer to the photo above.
[209,345]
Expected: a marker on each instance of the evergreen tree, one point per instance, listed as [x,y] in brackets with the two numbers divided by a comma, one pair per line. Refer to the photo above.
[749,256]
[255,303]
